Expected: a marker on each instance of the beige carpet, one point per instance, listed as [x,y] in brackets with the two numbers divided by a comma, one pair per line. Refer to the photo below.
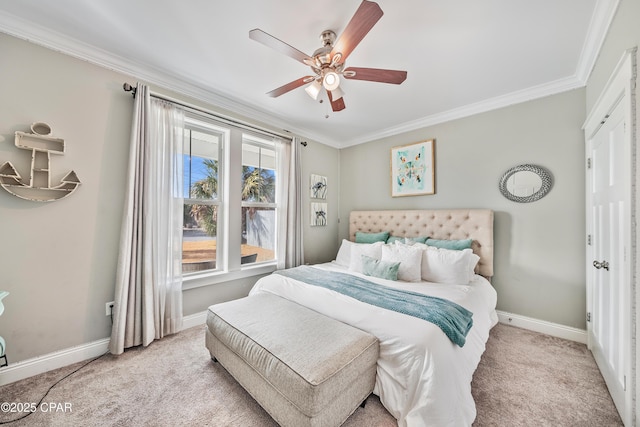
[524,379]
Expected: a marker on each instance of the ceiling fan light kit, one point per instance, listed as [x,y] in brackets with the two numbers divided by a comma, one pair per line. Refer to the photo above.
[314,89]
[331,80]
[328,61]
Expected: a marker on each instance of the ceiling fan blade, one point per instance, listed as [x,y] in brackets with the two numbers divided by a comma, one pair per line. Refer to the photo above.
[277,44]
[290,86]
[362,21]
[376,75]
[338,104]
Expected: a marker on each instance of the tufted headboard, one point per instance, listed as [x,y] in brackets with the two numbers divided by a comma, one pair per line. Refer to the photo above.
[476,224]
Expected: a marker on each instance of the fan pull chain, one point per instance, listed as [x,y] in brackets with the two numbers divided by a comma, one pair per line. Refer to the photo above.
[326,108]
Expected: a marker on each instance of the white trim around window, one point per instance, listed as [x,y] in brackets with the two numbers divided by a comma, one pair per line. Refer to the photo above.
[229,231]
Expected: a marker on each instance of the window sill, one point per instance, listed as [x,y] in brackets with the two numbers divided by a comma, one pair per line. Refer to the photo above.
[199,280]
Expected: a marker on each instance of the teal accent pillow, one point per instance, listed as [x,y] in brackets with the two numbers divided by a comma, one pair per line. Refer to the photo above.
[371,237]
[383,270]
[456,245]
[419,239]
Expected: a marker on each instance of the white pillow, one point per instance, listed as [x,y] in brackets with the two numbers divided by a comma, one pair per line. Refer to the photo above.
[447,266]
[473,261]
[344,253]
[410,259]
[373,250]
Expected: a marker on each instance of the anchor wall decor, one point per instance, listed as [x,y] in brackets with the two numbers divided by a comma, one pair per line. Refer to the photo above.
[38,188]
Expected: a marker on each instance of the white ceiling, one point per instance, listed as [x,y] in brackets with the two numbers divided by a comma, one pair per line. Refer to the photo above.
[462,57]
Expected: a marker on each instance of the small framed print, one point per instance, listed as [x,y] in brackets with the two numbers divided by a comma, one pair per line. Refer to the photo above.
[318,187]
[413,169]
[318,214]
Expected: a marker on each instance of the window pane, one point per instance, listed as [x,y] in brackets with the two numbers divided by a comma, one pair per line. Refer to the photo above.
[258,187]
[199,237]
[201,152]
[258,234]
[200,220]
[258,174]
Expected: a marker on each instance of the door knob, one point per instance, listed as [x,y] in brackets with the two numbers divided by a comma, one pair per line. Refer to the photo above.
[599,265]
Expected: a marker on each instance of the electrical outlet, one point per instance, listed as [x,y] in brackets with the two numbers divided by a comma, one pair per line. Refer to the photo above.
[109,307]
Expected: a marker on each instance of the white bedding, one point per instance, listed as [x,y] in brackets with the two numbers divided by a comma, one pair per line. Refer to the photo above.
[423,379]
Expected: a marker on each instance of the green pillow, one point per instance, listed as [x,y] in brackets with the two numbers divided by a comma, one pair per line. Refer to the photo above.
[456,245]
[392,239]
[381,269]
[419,239]
[371,237]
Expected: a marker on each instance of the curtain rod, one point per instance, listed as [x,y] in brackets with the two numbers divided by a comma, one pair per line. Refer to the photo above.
[128,88]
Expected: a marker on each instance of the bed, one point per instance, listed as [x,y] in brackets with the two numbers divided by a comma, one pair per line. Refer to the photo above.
[423,377]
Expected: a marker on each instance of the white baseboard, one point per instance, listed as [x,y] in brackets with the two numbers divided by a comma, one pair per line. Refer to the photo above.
[542,326]
[195,319]
[58,359]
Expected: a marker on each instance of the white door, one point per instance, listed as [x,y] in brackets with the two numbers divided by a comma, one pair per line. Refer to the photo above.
[609,287]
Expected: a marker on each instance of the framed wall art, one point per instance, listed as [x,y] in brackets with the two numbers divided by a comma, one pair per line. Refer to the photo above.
[413,169]
[318,187]
[318,214]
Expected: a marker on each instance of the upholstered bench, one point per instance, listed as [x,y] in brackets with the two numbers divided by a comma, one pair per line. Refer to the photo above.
[303,368]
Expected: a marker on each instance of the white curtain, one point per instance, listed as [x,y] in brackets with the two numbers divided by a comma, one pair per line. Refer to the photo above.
[290,245]
[148,296]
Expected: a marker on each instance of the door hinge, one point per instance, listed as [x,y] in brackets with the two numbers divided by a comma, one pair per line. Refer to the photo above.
[624,382]
[589,317]
[589,239]
[589,163]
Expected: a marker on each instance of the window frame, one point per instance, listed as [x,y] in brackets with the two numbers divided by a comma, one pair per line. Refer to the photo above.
[201,126]
[229,200]
[261,143]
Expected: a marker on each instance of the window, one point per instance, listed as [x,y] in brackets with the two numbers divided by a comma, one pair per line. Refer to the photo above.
[229,211]
[258,200]
[202,197]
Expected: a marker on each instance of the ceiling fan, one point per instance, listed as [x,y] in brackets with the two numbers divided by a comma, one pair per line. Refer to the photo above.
[328,62]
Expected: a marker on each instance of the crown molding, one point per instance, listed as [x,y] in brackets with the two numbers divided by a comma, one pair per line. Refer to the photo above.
[512,98]
[603,15]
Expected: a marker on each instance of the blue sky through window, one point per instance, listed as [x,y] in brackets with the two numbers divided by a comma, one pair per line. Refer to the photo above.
[194,171]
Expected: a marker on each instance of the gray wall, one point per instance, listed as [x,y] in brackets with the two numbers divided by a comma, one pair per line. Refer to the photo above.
[58,259]
[320,243]
[539,256]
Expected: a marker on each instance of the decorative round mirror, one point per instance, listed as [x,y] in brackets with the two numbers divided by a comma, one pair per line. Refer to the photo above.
[525,183]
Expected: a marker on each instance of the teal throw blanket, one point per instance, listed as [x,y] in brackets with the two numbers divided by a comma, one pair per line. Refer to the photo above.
[454,320]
